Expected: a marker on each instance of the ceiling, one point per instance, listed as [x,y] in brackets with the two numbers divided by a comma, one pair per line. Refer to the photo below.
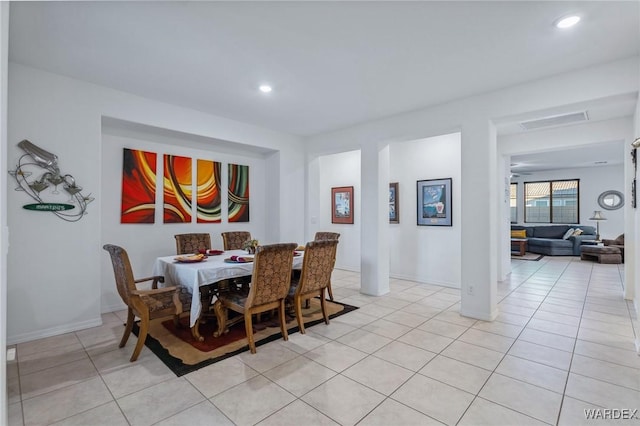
[331,64]
[595,155]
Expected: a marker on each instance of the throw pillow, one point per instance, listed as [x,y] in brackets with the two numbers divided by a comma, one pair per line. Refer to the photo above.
[577,232]
[519,234]
[568,234]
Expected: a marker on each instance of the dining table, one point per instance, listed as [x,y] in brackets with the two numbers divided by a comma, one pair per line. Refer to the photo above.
[203,277]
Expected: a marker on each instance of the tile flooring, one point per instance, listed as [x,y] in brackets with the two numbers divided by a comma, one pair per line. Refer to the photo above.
[563,342]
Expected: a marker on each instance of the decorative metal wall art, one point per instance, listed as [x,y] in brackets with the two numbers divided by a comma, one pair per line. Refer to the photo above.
[43,165]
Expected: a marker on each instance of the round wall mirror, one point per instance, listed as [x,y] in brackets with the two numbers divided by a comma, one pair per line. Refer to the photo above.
[611,200]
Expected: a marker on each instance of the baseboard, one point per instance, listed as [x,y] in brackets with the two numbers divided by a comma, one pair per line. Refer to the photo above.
[113,308]
[479,315]
[53,331]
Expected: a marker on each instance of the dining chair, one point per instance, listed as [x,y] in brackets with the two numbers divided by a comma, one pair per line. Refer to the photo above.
[321,236]
[145,304]
[192,243]
[233,240]
[270,284]
[319,259]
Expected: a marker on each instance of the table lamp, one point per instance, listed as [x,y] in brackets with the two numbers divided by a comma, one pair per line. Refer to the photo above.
[597,216]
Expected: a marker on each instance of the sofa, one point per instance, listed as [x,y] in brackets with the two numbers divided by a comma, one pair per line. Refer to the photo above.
[548,239]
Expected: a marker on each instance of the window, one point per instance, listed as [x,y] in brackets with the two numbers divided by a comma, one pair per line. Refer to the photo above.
[513,202]
[553,201]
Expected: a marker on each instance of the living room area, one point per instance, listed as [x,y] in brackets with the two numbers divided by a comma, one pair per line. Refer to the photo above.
[563,201]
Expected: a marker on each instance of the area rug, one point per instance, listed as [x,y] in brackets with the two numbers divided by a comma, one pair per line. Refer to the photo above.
[527,256]
[182,354]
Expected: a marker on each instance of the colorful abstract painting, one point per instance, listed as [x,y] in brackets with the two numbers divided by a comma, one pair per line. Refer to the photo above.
[238,193]
[208,192]
[138,187]
[177,189]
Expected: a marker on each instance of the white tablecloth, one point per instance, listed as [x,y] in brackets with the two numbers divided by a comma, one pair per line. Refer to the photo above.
[209,271]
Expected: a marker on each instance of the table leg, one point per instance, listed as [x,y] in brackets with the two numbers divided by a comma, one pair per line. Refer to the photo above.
[195,331]
[221,316]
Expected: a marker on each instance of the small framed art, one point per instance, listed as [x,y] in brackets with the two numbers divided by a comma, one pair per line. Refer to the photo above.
[342,204]
[434,202]
[394,212]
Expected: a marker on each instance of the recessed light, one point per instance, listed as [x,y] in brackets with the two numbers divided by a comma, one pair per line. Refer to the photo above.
[567,22]
[265,88]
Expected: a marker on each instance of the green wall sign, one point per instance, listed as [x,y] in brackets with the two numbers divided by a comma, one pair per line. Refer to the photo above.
[48,207]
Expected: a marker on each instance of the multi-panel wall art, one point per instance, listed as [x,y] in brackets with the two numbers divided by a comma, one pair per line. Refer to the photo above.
[138,186]
[208,192]
[178,192]
[238,193]
[177,189]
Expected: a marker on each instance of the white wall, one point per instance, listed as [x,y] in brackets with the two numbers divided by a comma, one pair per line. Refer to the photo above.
[429,254]
[634,221]
[593,181]
[4,237]
[341,170]
[54,273]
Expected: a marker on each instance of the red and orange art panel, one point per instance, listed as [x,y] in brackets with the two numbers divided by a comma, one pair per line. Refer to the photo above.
[177,189]
[238,193]
[138,187]
[208,192]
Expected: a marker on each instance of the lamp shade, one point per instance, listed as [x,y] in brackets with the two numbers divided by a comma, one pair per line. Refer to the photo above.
[597,215]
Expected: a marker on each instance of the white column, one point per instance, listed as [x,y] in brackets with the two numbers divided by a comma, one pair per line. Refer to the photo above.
[479,220]
[374,263]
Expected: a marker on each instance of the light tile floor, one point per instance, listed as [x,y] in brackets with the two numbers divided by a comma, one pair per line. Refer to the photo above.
[563,342]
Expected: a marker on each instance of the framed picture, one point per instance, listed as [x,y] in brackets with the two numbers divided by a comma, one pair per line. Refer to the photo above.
[434,202]
[342,204]
[394,207]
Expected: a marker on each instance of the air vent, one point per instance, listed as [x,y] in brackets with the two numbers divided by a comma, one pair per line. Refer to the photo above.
[555,120]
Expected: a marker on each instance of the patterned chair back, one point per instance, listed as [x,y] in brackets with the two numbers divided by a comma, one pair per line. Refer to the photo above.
[191,243]
[233,240]
[319,259]
[122,271]
[321,236]
[271,277]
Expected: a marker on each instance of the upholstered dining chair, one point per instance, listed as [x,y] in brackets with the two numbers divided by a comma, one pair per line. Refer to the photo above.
[233,240]
[319,259]
[321,236]
[191,243]
[146,304]
[270,284]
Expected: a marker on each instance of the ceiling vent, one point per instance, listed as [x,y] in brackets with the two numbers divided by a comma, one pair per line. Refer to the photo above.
[555,120]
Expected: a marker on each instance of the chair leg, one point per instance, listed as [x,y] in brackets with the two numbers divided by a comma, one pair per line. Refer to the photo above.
[144,329]
[248,326]
[330,292]
[323,305]
[127,329]
[283,321]
[298,303]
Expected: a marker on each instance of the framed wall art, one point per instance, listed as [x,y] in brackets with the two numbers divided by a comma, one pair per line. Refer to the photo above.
[138,187]
[434,202]
[394,203]
[342,204]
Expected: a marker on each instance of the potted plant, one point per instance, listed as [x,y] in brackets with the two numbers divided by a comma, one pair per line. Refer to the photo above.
[250,246]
